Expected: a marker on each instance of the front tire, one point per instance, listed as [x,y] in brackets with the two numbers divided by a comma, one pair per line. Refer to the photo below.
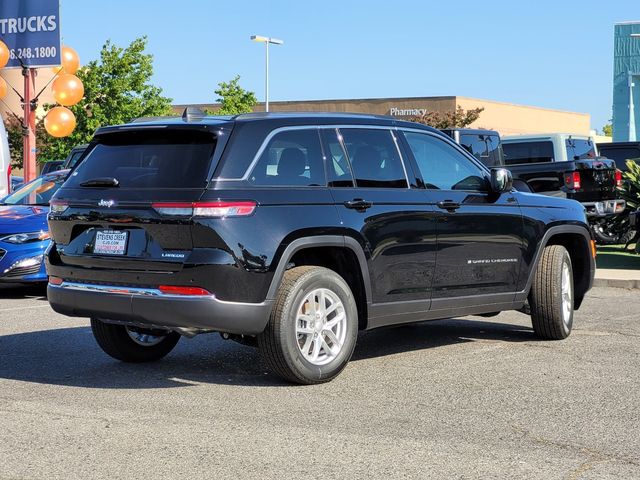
[134,345]
[313,326]
[552,296]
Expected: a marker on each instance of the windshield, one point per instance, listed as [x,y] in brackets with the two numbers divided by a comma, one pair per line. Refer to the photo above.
[37,192]
[580,149]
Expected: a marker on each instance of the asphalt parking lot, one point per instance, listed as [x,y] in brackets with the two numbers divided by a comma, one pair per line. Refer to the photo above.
[471,398]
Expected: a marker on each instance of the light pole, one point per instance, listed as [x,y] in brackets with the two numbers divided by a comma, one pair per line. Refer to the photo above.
[266,41]
[632,114]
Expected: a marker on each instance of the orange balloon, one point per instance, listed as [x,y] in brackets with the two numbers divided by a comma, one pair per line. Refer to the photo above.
[3,88]
[4,54]
[70,60]
[67,89]
[57,70]
[59,122]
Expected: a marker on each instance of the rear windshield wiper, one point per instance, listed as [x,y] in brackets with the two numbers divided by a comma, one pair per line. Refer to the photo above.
[101,182]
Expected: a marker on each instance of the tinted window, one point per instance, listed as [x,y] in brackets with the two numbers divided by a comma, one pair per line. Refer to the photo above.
[338,168]
[144,159]
[621,155]
[579,149]
[37,192]
[73,158]
[374,158]
[442,166]
[292,157]
[528,152]
[484,147]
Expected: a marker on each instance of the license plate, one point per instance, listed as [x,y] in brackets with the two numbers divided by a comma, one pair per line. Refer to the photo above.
[110,242]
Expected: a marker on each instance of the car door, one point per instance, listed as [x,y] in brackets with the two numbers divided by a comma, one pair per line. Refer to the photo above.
[479,233]
[381,207]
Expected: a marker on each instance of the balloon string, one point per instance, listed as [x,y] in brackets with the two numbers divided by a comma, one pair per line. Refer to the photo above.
[48,83]
[13,88]
[11,111]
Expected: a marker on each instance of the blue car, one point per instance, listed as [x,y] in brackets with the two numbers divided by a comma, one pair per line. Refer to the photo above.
[24,233]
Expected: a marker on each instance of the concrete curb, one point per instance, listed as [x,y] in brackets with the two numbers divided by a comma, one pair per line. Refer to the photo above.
[608,277]
[616,283]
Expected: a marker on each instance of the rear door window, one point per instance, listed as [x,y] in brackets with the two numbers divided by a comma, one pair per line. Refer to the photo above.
[374,158]
[291,158]
[143,159]
[528,152]
[338,168]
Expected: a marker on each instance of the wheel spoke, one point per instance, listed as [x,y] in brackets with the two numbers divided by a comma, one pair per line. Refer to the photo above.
[307,344]
[322,301]
[334,339]
[332,308]
[317,344]
[335,320]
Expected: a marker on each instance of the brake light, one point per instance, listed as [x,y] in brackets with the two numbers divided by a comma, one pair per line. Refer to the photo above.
[206,209]
[55,280]
[9,189]
[58,206]
[572,180]
[618,178]
[175,290]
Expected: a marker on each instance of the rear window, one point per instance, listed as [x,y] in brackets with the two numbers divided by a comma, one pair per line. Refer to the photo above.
[143,159]
[579,149]
[528,152]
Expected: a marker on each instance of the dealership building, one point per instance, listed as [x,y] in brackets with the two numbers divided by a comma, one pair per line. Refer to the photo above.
[506,118]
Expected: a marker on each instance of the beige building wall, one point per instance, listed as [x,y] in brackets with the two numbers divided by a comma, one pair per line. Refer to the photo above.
[512,119]
[506,118]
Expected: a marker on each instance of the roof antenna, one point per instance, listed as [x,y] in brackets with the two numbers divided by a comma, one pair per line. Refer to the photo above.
[193,113]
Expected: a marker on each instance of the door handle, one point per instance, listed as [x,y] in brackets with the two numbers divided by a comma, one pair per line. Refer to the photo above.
[358,204]
[448,205]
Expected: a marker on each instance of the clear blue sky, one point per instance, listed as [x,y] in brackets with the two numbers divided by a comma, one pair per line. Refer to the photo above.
[555,54]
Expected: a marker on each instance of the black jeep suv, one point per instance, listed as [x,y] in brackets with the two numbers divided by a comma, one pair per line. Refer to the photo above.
[294,231]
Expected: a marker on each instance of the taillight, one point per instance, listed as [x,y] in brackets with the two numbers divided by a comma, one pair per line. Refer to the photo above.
[572,180]
[55,280]
[175,290]
[206,209]
[9,189]
[58,206]
[618,178]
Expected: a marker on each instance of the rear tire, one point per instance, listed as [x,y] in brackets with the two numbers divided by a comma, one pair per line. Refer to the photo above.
[133,345]
[313,326]
[552,297]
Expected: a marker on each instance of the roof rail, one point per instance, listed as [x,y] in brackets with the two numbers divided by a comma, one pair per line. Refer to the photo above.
[193,113]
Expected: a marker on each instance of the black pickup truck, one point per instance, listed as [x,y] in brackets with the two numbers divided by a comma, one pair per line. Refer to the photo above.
[566,166]
[557,165]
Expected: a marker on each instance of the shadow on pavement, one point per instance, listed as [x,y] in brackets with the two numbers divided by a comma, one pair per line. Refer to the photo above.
[70,356]
[17,291]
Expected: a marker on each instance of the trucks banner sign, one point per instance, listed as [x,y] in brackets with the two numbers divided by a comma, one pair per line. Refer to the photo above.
[31,31]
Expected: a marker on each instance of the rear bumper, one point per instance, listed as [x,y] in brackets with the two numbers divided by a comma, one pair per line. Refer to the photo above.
[604,208]
[152,308]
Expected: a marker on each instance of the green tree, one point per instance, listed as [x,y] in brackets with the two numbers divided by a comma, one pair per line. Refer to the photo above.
[234,99]
[607,130]
[117,89]
[460,118]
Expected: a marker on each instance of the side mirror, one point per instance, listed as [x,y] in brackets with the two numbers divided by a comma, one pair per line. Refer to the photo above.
[501,180]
